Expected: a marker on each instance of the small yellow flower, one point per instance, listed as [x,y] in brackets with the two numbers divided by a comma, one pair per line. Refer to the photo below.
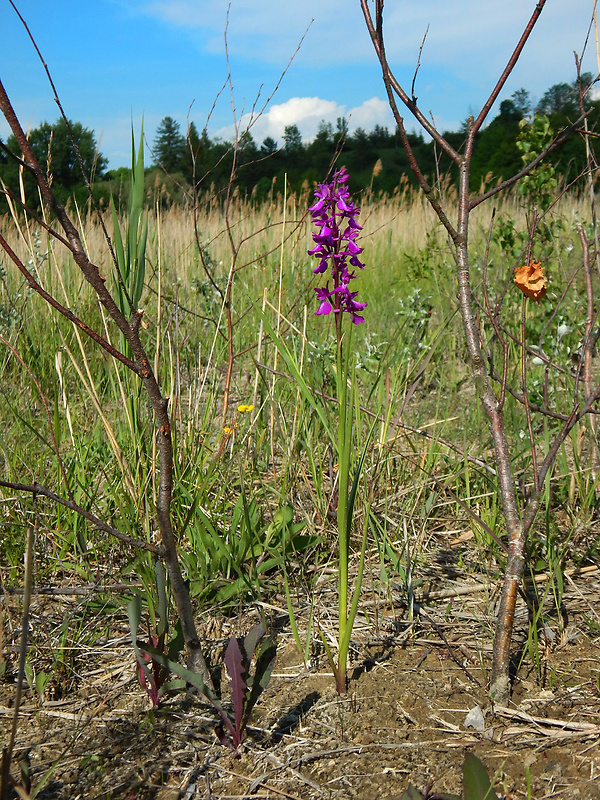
[243,409]
[228,431]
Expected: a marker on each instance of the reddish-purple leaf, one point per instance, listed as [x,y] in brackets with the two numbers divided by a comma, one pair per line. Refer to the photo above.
[232,741]
[234,662]
[265,661]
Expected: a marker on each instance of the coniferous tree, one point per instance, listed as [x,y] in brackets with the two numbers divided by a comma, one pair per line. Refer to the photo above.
[319,152]
[197,161]
[521,100]
[169,146]
[294,153]
[341,130]
[292,139]
[562,97]
[380,137]
[268,147]
[365,154]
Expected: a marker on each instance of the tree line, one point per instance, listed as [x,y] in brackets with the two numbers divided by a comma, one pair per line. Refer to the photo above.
[375,159]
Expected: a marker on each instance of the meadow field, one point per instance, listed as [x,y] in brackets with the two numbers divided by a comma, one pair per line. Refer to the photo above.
[250,377]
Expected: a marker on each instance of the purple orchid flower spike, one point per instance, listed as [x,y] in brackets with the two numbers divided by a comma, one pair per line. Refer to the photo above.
[334,215]
[323,296]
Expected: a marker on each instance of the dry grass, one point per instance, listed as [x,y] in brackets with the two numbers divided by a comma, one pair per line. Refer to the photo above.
[414,676]
[393,226]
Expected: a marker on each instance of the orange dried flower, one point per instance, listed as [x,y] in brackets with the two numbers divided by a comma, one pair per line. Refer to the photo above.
[531,280]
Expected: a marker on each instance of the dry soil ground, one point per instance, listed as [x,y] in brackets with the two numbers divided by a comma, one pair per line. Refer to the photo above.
[403,720]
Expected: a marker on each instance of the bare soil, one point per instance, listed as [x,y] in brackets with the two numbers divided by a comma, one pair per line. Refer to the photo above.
[92,733]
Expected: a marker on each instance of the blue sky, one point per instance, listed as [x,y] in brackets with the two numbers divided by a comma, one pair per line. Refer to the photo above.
[114,61]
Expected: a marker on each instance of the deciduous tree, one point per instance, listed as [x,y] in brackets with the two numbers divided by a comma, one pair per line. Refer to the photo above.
[62,150]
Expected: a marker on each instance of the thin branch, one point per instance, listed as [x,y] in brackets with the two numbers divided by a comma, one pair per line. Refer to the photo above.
[412,88]
[586,360]
[8,192]
[66,312]
[77,154]
[7,750]
[90,271]
[140,366]
[46,409]
[392,85]
[509,68]
[38,489]
[526,404]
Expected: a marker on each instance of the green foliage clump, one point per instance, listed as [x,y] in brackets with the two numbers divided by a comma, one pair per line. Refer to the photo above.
[63,149]
[539,185]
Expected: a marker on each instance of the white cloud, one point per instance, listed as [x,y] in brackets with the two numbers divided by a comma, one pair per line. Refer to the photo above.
[372,112]
[264,30]
[467,46]
[307,113]
[473,36]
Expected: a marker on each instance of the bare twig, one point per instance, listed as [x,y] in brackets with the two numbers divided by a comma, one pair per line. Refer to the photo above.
[458,231]
[414,80]
[139,364]
[48,417]
[101,525]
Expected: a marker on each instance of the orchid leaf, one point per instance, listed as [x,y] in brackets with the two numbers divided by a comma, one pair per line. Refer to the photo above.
[357,474]
[412,794]
[177,643]
[229,741]
[443,796]
[246,688]
[195,680]
[251,640]
[265,661]
[172,686]
[145,675]
[238,675]
[161,589]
